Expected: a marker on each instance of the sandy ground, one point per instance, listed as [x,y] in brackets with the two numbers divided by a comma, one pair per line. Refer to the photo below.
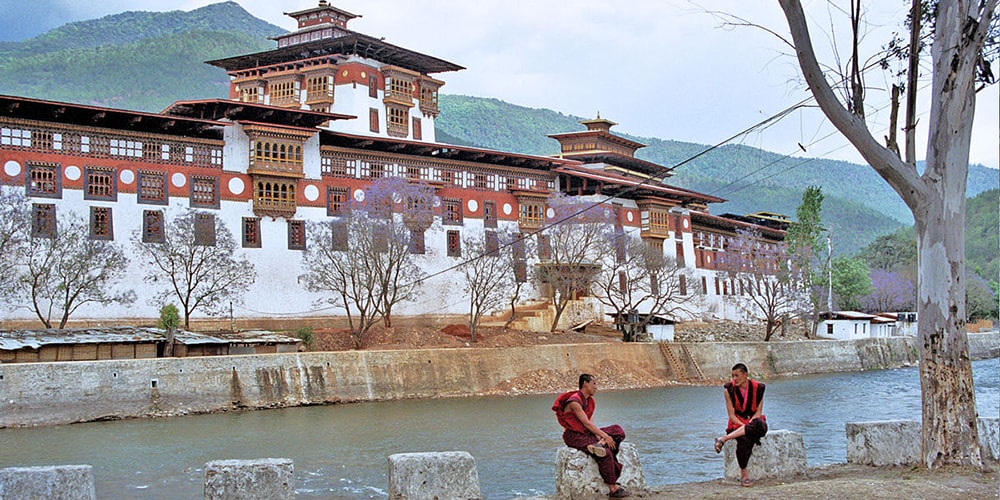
[849,482]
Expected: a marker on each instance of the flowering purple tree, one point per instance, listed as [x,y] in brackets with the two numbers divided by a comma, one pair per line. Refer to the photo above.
[890,292]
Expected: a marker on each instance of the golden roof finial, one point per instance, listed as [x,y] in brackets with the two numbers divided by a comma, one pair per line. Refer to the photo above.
[322,3]
[598,114]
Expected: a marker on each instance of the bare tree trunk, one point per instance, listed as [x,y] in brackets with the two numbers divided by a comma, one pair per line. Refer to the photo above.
[937,200]
[911,85]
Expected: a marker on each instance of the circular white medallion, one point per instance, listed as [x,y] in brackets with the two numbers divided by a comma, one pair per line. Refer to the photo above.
[628,215]
[72,172]
[550,213]
[685,223]
[507,209]
[708,259]
[12,168]
[437,201]
[311,192]
[178,179]
[397,198]
[236,185]
[473,206]
[359,195]
[126,176]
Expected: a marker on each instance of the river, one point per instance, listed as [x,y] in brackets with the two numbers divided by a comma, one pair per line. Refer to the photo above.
[340,450]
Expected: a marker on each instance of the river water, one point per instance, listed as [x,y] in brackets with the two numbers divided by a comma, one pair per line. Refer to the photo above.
[340,450]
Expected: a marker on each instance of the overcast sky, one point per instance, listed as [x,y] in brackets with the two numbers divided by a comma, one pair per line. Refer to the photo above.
[659,68]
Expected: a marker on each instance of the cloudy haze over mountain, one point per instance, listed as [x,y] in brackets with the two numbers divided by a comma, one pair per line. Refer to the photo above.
[660,68]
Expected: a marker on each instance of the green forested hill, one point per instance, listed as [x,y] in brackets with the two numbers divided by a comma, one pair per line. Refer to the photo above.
[135,60]
[146,61]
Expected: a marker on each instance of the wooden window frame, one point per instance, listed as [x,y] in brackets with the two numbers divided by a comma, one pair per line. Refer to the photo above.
[451,212]
[251,232]
[153,226]
[336,200]
[204,229]
[43,220]
[100,183]
[490,214]
[101,224]
[296,235]
[198,193]
[43,180]
[150,182]
[373,120]
[454,243]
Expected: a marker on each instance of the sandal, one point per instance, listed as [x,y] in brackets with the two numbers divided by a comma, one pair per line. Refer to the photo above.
[719,443]
[597,450]
[620,493]
[746,482]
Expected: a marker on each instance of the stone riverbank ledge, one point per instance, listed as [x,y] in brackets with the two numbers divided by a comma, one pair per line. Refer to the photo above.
[82,391]
[779,460]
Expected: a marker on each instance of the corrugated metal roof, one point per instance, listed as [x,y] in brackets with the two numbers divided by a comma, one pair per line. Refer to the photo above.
[20,339]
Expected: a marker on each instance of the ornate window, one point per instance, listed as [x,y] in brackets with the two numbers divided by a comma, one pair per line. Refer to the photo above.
[204,192]
[319,88]
[376,170]
[152,226]
[397,120]
[296,235]
[285,92]
[101,227]
[204,230]
[532,214]
[43,220]
[454,244]
[451,211]
[274,197]
[280,155]
[251,232]
[490,214]
[333,166]
[336,200]
[99,184]
[479,181]
[43,180]
[152,187]
[417,242]
[373,120]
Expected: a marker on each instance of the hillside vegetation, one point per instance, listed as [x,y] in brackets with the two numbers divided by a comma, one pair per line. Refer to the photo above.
[147,60]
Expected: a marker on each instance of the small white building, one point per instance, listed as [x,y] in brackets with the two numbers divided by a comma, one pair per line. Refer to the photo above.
[845,325]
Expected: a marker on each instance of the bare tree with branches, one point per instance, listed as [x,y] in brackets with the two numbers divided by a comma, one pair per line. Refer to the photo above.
[489,274]
[937,200]
[195,261]
[15,224]
[366,261]
[571,257]
[635,275]
[766,282]
[68,269]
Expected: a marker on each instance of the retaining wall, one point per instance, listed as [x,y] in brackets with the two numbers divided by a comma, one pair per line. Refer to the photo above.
[61,393]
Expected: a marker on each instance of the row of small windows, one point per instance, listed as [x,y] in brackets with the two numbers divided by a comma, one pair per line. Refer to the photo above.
[110,146]
[373,169]
[44,180]
[267,152]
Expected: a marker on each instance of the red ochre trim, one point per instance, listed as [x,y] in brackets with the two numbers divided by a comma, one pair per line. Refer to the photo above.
[354,75]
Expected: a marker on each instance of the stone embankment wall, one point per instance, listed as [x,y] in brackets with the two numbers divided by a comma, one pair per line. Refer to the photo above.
[61,393]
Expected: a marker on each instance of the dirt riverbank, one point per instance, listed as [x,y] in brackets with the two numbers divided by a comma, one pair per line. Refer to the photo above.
[843,481]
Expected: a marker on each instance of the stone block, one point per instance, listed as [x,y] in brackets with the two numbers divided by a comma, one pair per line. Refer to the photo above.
[58,482]
[989,438]
[886,442]
[446,474]
[781,453]
[269,478]
[577,476]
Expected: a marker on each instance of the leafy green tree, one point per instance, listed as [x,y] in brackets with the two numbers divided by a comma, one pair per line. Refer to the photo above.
[851,282]
[806,248]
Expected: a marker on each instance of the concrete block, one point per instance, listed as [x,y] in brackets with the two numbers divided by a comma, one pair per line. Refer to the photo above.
[577,476]
[989,438]
[269,478]
[887,442]
[59,482]
[446,474]
[781,453]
